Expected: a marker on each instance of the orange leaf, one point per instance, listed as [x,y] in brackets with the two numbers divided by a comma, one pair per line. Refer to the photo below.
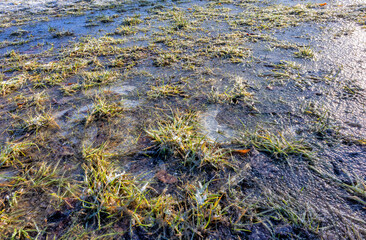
[322,4]
[241,151]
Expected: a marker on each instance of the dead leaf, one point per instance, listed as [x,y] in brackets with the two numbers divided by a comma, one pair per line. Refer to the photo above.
[165,177]
[241,151]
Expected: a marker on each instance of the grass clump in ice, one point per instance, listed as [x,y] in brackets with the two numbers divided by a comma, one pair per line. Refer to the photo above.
[180,135]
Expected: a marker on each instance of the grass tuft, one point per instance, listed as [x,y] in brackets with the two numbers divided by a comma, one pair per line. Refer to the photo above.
[305,52]
[180,21]
[110,192]
[132,21]
[104,108]
[13,83]
[276,145]
[60,34]
[180,135]
[12,151]
[167,90]
[230,96]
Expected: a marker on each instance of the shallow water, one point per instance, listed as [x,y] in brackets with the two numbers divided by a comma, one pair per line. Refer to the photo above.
[319,100]
[339,47]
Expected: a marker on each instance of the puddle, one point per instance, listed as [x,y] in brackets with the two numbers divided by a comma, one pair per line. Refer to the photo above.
[346,50]
[302,81]
[52,33]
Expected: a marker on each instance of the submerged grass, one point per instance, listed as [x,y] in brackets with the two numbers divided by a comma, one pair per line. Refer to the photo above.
[276,144]
[357,189]
[288,209]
